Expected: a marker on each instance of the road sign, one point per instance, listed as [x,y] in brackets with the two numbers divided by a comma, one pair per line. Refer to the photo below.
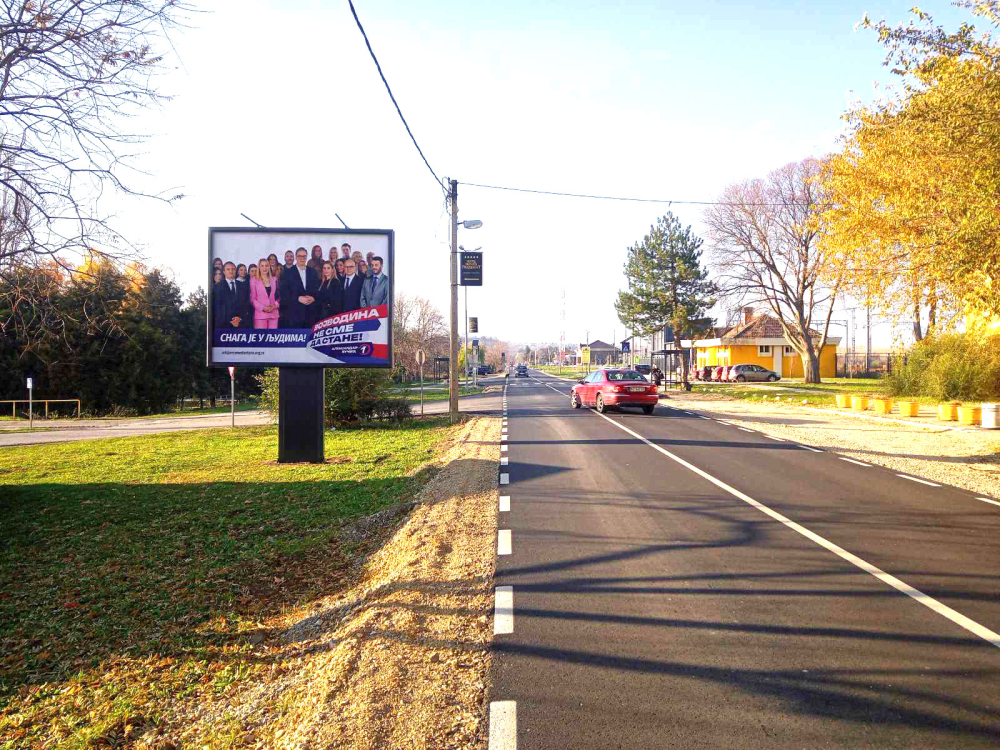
[473,325]
[29,384]
[626,347]
[421,357]
[585,355]
[475,343]
[471,269]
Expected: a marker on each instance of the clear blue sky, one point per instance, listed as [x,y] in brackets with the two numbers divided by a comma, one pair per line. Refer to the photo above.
[279,113]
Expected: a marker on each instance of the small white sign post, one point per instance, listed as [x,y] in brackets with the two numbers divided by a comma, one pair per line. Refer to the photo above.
[232,393]
[421,357]
[31,410]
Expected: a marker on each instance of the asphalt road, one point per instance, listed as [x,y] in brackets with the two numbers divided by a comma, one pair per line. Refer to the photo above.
[678,582]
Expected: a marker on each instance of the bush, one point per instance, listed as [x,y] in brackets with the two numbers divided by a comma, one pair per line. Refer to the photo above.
[949,367]
[350,395]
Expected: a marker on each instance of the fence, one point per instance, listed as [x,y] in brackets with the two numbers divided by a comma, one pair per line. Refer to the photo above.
[863,366]
[46,401]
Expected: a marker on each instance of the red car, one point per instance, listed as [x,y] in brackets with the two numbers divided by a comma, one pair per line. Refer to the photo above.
[605,389]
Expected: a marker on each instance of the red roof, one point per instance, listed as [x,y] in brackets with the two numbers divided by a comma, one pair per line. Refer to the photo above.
[760,327]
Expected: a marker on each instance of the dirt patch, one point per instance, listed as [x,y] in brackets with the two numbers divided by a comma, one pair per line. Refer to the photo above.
[398,659]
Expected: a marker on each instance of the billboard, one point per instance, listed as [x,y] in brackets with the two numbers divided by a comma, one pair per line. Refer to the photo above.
[471,269]
[323,298]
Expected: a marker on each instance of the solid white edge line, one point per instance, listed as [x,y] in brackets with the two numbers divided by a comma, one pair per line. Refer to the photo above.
[814,450]
[945,611]
[504,542]
[505,503]
[505,479]
[503,725]
[922,481]
[987,500]
[852,461]
[503,610]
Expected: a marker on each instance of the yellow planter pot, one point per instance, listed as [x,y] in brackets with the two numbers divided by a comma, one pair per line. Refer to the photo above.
[843,400]
[969,414]
[882,405]
[947,412]
[859,403]
[908,408]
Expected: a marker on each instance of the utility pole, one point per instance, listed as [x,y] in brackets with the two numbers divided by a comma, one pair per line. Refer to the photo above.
[453,358]
[868,344]
[467,351]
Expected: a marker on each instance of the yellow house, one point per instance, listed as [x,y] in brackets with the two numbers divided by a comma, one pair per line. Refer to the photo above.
[759,340]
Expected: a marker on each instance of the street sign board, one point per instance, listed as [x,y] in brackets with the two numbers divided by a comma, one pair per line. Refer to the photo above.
[626,347]
[585,355]
[421,357]
[471,269]
[475,343]
[473,325]
[30,385]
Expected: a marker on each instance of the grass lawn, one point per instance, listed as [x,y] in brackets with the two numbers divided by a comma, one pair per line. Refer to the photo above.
[243,406]
[431,393]
[567,372]
[816,394]
[136,570]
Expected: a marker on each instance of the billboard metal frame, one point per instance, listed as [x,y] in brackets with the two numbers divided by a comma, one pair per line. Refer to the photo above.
[210,362]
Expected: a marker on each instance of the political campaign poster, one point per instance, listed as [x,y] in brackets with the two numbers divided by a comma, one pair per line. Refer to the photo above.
[300,297]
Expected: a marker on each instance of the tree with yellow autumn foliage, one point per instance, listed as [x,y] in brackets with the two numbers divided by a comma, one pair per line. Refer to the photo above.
[912,219]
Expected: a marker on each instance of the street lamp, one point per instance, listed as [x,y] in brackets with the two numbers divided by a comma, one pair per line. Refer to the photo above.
[453,358]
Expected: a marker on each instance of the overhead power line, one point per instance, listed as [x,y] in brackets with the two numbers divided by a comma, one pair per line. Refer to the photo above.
[634,200]
[382,75]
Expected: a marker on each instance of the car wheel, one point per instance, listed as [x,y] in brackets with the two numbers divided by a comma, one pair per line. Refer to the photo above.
[647,410]
[600,404]
[772,378]
[574,401]
[741,379]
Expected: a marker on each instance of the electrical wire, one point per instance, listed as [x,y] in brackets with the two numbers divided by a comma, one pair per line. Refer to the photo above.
[382,75]
[635,200]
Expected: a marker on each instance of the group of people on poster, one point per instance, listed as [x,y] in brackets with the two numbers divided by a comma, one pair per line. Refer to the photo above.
[305,289]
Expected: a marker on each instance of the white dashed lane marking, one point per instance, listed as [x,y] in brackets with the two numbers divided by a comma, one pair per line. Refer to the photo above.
[806,447]
[505,503]
[987,500]
[505,479]
[504,543]
[922,481]
[852,461]
[503,611]
[503,725]
[503,448]
[503,460]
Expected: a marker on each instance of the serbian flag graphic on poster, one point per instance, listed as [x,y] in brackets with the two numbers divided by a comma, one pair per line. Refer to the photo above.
[357,338]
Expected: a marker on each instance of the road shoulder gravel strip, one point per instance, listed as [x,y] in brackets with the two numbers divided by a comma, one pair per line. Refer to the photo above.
[969,460]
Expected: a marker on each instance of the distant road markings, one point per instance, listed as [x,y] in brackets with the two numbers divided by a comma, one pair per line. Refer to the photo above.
[806,447]
[505,479]
[772,437]
[852,461]
[503,725]
[505,503]
[987,500]
[503,448]
[503,438]
[504,544]
[922,481]
[503,460]
[744,429]
[503,610]
[945,611]
[708,419]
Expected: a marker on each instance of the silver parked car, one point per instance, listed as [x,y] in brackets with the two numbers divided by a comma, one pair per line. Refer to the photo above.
[745,373]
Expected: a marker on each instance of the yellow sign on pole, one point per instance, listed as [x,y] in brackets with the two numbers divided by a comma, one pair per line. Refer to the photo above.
[585,355]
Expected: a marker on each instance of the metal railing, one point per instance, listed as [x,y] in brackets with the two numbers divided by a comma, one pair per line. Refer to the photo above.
[46,401]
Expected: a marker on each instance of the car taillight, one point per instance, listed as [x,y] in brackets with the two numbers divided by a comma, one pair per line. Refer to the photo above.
[652,389]
[617,389]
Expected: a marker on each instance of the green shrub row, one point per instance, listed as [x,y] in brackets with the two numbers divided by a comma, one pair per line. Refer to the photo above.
[949,367]
[350,396]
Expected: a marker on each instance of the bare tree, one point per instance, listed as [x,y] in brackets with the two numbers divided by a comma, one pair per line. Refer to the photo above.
[73,73]
[417,324]
[765,252]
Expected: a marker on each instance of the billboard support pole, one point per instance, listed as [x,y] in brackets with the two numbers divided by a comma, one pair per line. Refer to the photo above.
[300,415]
[453,359]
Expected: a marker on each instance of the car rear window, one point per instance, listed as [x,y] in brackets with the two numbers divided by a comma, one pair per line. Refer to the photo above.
[626,375]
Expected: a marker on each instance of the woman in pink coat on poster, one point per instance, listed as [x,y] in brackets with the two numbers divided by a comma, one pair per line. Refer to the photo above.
[264,297]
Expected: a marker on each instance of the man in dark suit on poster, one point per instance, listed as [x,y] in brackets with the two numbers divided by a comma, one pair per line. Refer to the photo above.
[352,285]
[299,288]
[227,303]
